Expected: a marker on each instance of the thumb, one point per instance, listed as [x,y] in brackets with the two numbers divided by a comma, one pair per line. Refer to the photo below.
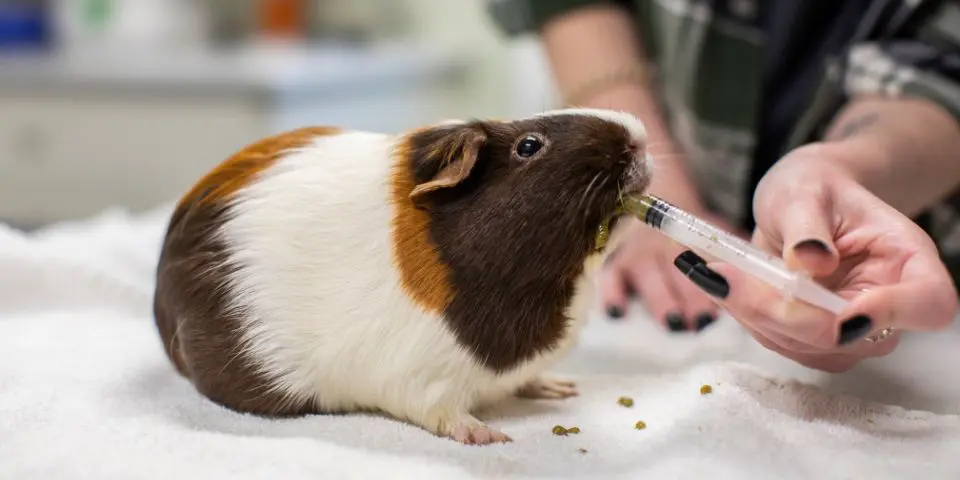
[806,228]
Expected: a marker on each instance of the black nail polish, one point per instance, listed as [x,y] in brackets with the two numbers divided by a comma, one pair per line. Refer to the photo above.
[614,311]
[688,260]
[854,329]
[695,268]
[675,322]
[704,320]
[814,244]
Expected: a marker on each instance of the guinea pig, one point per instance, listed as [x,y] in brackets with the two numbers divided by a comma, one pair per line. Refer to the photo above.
[422,275]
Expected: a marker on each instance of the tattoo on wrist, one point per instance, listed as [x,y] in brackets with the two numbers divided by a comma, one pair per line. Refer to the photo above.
[854,125]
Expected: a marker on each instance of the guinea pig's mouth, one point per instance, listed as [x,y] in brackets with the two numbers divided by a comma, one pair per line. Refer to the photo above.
[611,221]
[606,226]
[636,186]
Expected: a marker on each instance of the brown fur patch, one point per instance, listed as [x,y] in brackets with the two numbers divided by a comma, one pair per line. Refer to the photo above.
[237,171]
[514,233]
[422,274]
[199,333]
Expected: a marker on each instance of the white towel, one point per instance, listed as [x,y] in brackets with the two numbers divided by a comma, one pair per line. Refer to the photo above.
[85,392]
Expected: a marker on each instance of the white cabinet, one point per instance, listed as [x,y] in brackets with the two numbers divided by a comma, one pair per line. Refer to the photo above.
[77,137]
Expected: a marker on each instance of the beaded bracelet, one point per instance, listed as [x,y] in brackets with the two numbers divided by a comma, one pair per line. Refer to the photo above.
[635,74]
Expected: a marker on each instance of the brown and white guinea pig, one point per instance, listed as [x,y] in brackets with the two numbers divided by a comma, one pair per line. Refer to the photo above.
[423,275]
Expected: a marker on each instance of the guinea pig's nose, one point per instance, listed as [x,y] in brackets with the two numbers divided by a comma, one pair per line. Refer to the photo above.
[633,146]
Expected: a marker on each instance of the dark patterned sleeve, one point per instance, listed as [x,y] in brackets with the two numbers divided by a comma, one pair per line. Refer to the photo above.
[924,61]
[520,17]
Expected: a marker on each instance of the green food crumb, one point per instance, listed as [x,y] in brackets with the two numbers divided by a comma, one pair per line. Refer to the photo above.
[563,431]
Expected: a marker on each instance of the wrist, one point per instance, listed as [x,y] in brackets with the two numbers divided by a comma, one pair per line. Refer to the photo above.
[862,159]
[841,159]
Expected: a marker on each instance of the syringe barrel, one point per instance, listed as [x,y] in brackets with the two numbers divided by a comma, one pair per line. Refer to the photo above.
[713,242]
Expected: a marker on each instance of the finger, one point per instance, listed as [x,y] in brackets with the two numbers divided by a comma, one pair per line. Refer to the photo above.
[791,344]
[880,346]
[817,360]
[807,334]
[763,310]
[925,299]
[656,290]
[698,308]
[805,227]
[761,307]
[767,309]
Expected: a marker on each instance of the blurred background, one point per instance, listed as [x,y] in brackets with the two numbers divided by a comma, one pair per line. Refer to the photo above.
[125,103]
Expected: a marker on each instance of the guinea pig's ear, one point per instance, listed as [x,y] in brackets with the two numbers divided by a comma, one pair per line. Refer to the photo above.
[444,156]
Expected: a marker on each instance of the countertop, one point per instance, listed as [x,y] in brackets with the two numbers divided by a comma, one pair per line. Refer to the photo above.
[258,69]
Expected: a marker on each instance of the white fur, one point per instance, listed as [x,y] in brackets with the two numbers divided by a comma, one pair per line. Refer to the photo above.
[325,311]
[631,123]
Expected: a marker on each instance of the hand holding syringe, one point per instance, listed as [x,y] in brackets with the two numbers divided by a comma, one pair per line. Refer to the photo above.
[723,246]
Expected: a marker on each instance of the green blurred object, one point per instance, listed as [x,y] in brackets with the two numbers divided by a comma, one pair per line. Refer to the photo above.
[96,13]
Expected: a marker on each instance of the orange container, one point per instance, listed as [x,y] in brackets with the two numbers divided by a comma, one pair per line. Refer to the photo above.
[281,18]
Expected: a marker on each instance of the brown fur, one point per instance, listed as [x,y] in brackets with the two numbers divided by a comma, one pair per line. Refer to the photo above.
[513,233]
[199,334]
[422,274]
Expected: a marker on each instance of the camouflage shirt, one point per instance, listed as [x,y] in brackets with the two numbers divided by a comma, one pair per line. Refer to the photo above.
[741,82]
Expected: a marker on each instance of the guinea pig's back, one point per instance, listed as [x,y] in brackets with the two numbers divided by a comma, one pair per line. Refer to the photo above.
[288,299]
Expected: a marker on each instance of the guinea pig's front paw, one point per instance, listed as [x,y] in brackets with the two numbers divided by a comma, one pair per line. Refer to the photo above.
[548,387]
[462,427]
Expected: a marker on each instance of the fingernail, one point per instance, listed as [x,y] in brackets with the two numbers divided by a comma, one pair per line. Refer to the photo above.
[813,243]
[854,329]
[695,268]
[675,322]
[614,311]
[704,320]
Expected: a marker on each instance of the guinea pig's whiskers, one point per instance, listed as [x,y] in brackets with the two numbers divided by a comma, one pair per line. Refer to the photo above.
[586,191]
[590,194]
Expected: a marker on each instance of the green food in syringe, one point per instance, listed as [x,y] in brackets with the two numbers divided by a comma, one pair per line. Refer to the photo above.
[717,244]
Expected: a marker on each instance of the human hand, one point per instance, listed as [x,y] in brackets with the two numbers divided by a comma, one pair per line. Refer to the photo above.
[812,212]
[641,265]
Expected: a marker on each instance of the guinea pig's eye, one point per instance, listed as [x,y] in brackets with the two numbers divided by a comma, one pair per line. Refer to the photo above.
[529,146]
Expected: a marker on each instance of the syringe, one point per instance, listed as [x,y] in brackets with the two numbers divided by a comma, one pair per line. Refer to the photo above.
[714,242]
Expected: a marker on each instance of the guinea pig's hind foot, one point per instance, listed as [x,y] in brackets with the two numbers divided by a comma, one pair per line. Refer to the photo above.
[467,429]
[548,388]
